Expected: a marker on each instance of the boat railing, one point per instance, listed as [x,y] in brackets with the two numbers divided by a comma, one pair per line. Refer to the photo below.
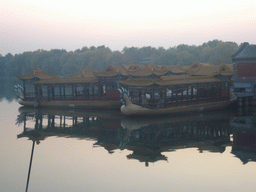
[30,95]
[76,98]
[177,101]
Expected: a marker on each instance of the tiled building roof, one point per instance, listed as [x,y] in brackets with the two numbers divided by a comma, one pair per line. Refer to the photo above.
[111,71]
[67,80]
[245,52]
[170,80]
[37,73]
[208,69]
[140,70]
[84,73]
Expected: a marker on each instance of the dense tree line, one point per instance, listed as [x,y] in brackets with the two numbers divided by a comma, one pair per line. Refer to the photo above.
[65,63]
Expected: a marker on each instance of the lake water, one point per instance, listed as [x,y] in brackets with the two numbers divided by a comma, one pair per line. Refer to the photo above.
[71,150]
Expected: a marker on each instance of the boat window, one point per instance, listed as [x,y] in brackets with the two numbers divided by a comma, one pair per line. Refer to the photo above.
[96,90]
[104,89]
[79,90]
[44,91]
[239,90]
[68,90]
[225,85]
[57,90]
[90,90]
[112,86]
[29,88]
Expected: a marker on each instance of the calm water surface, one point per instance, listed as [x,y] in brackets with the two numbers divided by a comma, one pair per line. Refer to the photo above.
[71,150]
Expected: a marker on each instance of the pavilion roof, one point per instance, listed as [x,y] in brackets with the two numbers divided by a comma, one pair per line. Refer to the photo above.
[159,70]
[184,80]
[121,69]
[209,69]
[130,67]
[175,68]
[68,80]
[84,73]
[231,66]
[111,71]
[38,74]
[139,70]
[195,66]
[142,71]
[170,80]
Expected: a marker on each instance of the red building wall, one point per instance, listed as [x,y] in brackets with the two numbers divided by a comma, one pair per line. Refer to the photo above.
[246,69]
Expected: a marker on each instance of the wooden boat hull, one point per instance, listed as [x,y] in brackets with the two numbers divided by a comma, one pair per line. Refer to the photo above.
[75,104]
[78,112]
[132,109]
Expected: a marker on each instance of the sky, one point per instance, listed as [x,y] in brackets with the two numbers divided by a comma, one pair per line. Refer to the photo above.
[29,25]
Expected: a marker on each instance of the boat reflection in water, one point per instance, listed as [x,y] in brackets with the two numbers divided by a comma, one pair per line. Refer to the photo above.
[146,137]
[244,137]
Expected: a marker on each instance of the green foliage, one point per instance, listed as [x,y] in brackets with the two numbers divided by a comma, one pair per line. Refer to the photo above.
[66,63]
[168,57]
[2,65]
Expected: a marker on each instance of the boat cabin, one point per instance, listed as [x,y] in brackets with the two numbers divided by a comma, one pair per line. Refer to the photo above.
[149,85]
[174,91]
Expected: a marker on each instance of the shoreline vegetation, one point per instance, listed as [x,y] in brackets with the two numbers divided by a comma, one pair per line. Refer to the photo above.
[63,63]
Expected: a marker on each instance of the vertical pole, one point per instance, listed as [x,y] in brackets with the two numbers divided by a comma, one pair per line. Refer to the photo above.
[217,91]
[64,91]
[53,94]
[60,93]
[48,92]
[49,121]
[73,96]
[24,87]
[64,122]
[30,164]
[25,120]
[187,94]
[100,90]
[61,121]
[192,92]
[36,92]
[207,92]
[41,121]
[197,95]
[53,121]
[182,94]
[176,95]
[165,100]
[85,92]
[41,91]
[36,99]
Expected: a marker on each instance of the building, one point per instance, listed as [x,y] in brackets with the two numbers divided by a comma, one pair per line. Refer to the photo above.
[244,86]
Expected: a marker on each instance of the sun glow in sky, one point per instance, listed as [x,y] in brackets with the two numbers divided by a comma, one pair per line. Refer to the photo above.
[28,25]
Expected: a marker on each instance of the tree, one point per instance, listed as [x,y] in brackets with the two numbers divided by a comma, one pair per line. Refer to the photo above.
[2,65]
[222,53]
[168,57]
[131,55]
[115,58]
[185,58]
[65,63]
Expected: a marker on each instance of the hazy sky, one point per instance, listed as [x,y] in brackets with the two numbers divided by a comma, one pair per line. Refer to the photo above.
[29,25]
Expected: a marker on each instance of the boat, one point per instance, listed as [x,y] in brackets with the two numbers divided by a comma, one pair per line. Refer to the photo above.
[163,85]
[86,89]
[81,90]
[188,94]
